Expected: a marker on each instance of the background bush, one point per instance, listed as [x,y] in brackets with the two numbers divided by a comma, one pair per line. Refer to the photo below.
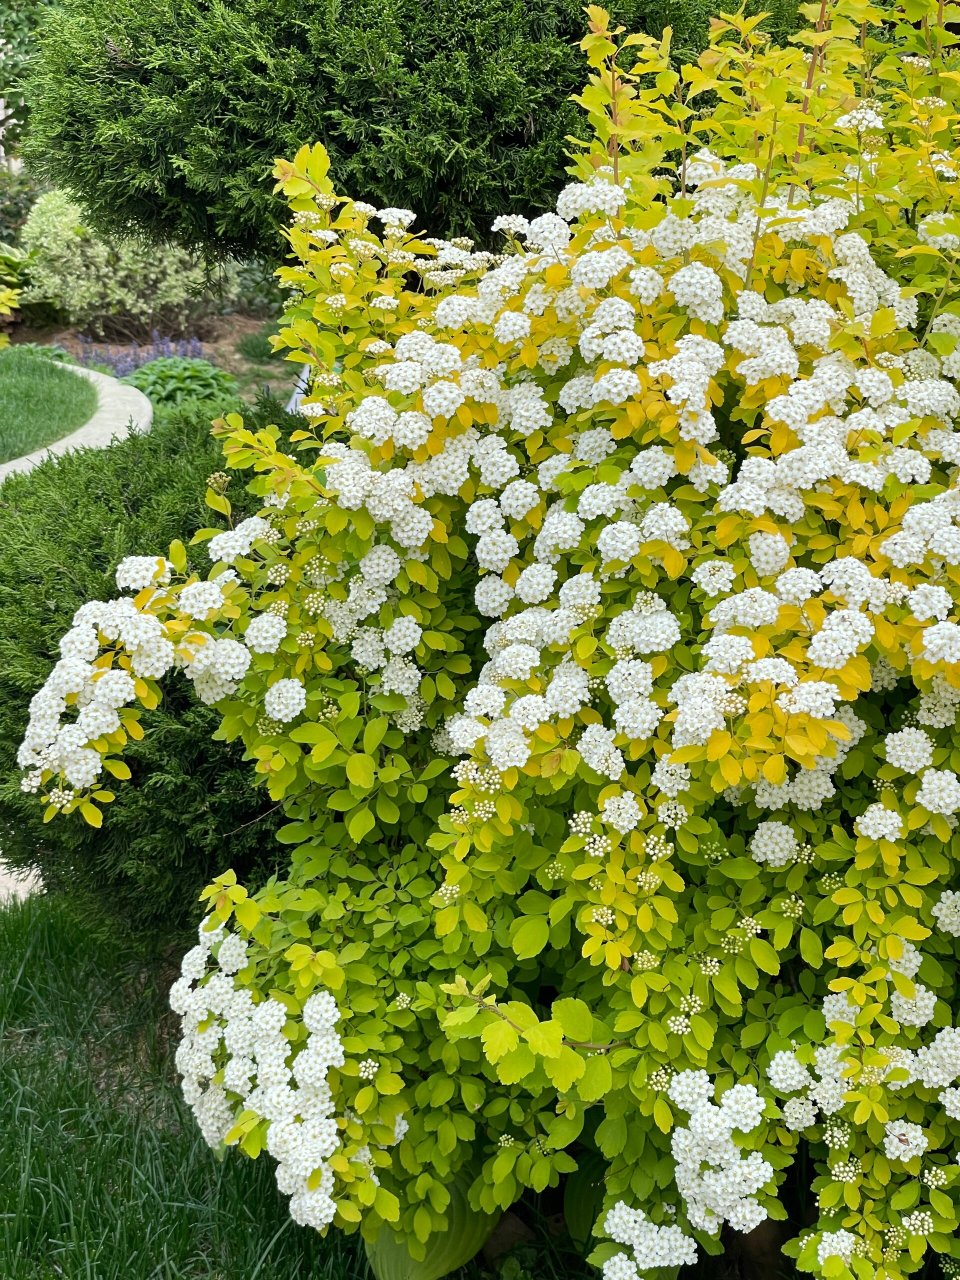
[190,806]
[169,115]
[122,287]
[17,32]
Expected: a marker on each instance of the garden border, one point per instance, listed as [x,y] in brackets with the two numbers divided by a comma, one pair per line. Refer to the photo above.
[120,410]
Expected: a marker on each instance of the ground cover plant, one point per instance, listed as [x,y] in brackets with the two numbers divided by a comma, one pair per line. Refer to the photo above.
[595,635]
[174,380]
[40,401]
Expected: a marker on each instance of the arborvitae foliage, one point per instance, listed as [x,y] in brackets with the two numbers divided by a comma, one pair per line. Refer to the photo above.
[169,115]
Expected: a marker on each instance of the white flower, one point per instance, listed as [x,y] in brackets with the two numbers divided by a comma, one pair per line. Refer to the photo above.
[879,823]
[265,633]
[903,1141]
[285,700]
[621,812]
[939,791]
[136,572]
[200,599]
[910,750]
[774,843]
[403,635]
[946,912]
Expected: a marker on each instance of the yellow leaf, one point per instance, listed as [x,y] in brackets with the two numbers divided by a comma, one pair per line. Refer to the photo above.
[775,770]
[91,814]
[730,770]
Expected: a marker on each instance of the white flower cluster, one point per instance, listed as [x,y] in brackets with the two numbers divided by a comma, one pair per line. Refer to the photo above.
[821,1089]
[652,1245]
[234,1057]
[717,1182]
[95,692]
[531,541]
[946,912]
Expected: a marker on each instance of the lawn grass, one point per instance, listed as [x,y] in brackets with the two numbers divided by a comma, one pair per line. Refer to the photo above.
[40,401]
[103,1174]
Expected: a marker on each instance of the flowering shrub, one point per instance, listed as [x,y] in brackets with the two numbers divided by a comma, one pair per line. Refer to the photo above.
[122,288]
[596,634]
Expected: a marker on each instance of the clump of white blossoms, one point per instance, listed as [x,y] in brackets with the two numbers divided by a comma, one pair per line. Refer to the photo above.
[235,1059]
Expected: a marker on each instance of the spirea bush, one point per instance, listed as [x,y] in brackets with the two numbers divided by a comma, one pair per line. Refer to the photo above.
[121,287]
[597,636]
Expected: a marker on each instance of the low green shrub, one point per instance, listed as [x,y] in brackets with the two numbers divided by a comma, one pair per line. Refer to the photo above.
[175,380]
[257,346]
[62,529]
[119,288]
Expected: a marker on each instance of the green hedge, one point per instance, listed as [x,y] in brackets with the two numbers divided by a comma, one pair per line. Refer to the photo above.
[190,810]
[168,115]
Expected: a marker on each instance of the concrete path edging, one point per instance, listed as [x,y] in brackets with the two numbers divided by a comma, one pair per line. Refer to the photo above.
[120,410]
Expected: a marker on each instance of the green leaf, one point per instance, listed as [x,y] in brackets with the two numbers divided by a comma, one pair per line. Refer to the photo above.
[360,823]
[575,1018]
[545,1039]
[597,1078]
[498,1039]
[515,1065]
[764,956]
[528,937]
[811,948]
[247,913]
[361,770]
[91,814]
[374,732]
[217,502]
[565,1070]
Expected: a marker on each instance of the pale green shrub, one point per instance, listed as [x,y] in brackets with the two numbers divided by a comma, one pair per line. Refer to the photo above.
[119,288]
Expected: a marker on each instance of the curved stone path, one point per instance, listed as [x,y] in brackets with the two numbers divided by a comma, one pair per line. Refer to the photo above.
[120,410]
